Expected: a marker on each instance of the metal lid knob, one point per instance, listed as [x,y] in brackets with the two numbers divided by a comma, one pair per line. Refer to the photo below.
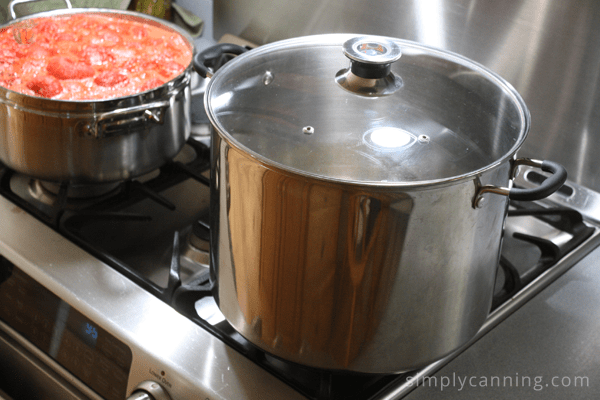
[371,56]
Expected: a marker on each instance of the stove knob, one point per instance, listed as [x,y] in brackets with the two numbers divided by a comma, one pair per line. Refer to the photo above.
[139,395]
[149,390]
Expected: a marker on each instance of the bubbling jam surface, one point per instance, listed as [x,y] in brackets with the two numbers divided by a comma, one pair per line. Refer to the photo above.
[89,57]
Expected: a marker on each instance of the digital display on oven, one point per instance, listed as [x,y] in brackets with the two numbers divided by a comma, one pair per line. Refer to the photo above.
[90,353]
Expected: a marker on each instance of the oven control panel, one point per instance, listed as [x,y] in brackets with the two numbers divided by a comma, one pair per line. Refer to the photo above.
[81,346]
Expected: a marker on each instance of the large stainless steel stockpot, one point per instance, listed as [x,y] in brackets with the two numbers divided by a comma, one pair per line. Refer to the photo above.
[357,207]
[97,140]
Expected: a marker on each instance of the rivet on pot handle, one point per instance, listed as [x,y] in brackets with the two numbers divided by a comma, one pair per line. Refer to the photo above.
[13,3]
[549,186]
[212,57]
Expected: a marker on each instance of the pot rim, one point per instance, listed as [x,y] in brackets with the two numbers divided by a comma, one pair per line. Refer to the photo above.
[10,96]
[524,114]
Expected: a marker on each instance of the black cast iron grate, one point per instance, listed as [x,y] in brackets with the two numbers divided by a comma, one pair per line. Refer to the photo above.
[565,220]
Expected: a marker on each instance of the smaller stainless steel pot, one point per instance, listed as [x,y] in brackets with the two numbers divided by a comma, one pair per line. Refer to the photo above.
[349,229]
[95,141]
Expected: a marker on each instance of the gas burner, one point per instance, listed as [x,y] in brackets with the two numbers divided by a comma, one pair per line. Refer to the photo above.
[77,195]
[200,235]
[196,250]
[192,257]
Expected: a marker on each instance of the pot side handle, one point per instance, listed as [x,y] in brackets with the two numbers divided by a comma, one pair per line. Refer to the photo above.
[549,186]
[13,3]
[213,57]
[114,122]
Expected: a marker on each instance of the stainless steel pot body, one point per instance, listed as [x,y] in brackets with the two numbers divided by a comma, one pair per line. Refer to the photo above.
[350,277]
[357,225]
[96,141]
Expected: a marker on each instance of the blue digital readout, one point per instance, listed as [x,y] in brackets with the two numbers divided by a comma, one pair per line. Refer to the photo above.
[90,334]
[90,330]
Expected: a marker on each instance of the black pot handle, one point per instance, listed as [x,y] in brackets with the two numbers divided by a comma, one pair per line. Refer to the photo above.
[213,57]
[548,186]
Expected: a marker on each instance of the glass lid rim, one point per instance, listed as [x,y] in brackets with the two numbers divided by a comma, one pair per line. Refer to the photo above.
[337,40]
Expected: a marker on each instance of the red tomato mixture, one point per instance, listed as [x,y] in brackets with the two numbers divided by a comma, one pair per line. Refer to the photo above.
[88,57]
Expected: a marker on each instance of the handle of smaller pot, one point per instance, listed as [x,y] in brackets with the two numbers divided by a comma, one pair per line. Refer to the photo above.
[13,3]
[209,57]
[548,186]
[108,123]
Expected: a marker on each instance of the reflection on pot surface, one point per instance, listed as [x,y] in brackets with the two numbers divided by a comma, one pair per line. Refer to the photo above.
[351,278]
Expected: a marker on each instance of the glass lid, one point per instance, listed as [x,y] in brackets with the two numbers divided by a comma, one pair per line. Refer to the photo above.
[366,110]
